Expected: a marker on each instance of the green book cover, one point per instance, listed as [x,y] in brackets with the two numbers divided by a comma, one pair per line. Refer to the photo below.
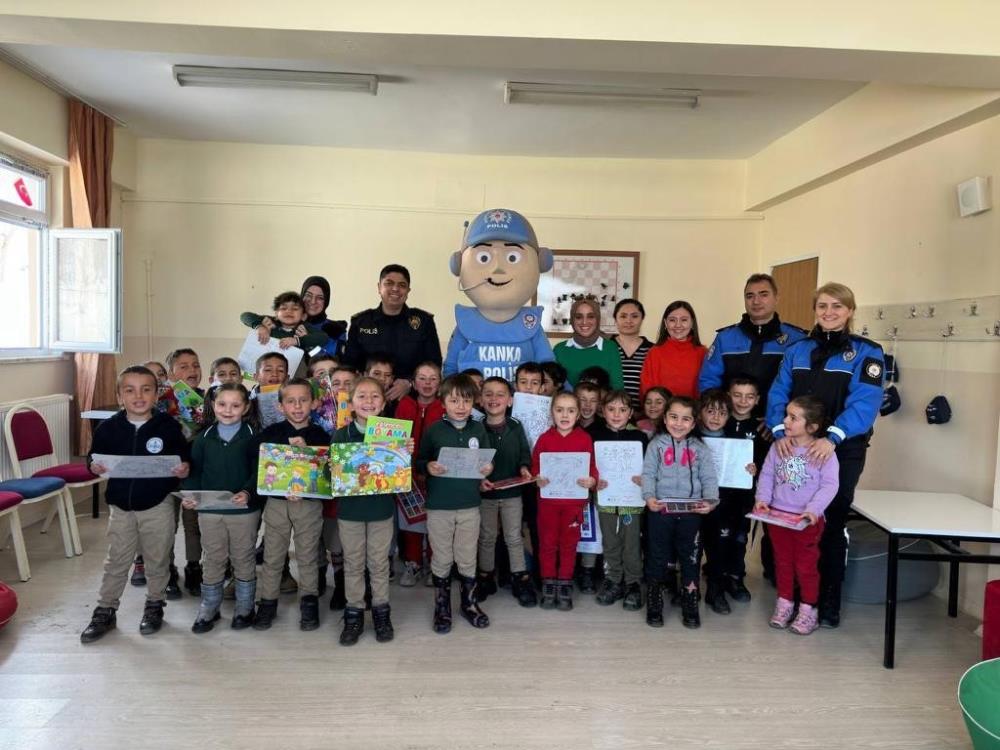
[386,430]
[369,468]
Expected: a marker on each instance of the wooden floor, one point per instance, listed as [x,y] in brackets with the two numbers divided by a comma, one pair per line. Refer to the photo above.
[593,678]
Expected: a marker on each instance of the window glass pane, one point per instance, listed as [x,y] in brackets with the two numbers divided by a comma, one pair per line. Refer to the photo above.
[83,290]
[22,189]
[19,286]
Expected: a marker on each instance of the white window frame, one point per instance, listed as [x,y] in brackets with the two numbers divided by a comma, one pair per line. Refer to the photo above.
[47,288]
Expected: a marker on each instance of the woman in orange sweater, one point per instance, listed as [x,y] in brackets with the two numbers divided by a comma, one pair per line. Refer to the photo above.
[675,361]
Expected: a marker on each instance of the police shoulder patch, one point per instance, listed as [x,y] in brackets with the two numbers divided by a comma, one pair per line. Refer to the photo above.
[871,371]
[415,322]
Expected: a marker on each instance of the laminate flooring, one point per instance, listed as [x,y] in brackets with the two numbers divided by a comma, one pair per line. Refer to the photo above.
[596,677]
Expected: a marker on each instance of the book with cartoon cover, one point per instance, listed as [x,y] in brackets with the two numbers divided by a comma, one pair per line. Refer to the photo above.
[303,471]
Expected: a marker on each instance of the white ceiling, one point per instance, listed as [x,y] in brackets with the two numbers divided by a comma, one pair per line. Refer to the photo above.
[438,108]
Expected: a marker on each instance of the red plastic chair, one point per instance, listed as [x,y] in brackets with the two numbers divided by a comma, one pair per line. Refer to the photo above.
[8,507]
[27,435]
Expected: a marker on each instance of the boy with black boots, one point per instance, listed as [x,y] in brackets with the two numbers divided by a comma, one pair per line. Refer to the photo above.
[512,460]
[141,510]
[285,516]
[453,517]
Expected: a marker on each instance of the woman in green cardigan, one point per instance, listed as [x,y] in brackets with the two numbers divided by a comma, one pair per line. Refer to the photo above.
[587,347]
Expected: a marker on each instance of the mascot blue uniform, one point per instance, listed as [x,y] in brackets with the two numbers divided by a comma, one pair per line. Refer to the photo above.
[498,269]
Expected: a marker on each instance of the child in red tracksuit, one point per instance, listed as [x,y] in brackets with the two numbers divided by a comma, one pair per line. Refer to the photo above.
[558,519]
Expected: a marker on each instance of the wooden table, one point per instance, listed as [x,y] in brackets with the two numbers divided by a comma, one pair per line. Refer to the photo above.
[945,519]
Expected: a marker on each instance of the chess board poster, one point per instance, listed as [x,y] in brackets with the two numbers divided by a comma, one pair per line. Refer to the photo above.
[605,276]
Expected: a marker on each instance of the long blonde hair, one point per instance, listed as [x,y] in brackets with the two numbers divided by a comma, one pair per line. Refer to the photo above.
[842,294]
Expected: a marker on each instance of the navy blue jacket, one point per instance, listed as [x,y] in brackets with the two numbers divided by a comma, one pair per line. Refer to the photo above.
[843,371]
[160,436]
[748,350]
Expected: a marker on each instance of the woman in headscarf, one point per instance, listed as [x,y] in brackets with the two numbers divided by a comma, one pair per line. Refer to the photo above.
[316,297]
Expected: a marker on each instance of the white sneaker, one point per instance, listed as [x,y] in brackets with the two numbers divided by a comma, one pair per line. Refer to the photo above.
[411,574]
[429,579]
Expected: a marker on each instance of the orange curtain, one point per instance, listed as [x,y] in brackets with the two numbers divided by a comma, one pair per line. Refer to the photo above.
[91,141]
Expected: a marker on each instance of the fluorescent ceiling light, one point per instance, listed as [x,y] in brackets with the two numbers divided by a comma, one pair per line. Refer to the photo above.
[263,78]
[516,92]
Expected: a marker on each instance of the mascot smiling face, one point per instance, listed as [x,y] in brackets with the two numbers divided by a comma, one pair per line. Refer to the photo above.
[498,269]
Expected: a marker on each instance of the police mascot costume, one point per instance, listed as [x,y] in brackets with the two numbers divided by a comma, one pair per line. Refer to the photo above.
[498,269]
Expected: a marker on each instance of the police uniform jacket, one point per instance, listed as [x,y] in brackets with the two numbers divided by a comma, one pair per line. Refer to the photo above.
[410,337]
[842,370]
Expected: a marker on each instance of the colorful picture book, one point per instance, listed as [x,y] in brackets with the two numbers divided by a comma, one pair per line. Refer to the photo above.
[780,518]
[284,470]
[386,430]
[369,468]
[334,409]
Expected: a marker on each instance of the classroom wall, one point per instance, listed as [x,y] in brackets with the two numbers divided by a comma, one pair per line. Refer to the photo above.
[221,227]
[892,232]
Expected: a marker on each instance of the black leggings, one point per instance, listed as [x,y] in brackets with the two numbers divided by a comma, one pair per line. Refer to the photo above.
[833,544]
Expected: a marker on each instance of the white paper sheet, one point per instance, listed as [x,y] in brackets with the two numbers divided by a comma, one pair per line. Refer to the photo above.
[617,462]
[253,349]
[464,463]
[534,413]
[136,467]
[210,499]
[267,408]
[562,470]
[731,458]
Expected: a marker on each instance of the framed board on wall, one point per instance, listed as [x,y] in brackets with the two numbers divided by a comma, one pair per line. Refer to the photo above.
[607,276]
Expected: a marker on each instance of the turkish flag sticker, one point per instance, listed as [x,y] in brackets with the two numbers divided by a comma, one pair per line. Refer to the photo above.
[22,191]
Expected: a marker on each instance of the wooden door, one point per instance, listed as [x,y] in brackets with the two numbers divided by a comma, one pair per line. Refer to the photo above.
[796,283]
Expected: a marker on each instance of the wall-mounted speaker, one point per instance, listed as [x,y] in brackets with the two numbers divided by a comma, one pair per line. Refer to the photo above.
[974,196]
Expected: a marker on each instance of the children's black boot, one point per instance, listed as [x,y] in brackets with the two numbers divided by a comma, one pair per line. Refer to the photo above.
[737,589]
[586,581]
[442,604]
[654,604]
[267,610]
[193,578]
[309,612]
[633,597]
[689,608]
[715,598]
[486,584]
[383,623]
[548,594]
[243,614]
[354,625]
[470,605]
[338,599]
[173,590]
[610,592]
[523,589]
[152,618]
[564,595]
[102,622]
[139,572]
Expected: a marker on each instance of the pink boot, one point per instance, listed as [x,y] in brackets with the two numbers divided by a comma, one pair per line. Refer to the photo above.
[782,613]
[807,620]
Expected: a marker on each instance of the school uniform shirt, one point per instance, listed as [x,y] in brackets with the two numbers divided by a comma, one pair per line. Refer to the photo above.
[602,353]
[160,435]
[444,493]
[748,350]
[496,349]
[410,337]
[283,431]
[226,466]
[673,365]
[512,454]
[365,508]
[550,441]
[600,432]
[843,371]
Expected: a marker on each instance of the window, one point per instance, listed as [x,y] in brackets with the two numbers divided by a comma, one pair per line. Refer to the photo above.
[60,288]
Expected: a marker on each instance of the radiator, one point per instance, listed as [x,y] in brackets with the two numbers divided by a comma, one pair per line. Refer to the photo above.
[55,409]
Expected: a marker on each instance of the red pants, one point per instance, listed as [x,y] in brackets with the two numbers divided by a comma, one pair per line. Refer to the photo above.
[796,559]
[558,534]
[413,546]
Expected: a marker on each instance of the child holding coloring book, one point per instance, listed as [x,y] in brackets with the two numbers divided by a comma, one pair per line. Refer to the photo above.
[803,487]
[365,524]
[559,520]
[677,466]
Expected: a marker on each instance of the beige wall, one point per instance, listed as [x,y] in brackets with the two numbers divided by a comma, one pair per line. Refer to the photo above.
[224,227]
[893,234]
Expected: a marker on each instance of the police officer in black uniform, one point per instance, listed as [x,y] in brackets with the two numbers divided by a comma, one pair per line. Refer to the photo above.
[408,334]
